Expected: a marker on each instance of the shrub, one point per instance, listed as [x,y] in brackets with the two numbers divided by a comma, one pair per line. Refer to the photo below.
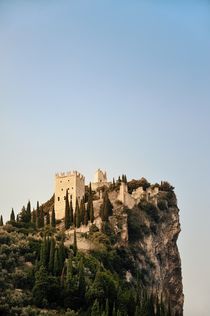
[151,210]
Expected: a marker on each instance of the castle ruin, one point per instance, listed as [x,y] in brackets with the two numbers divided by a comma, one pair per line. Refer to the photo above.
[100,180]
[74,183]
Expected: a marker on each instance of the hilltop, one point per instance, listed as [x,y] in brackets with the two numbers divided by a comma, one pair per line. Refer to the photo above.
[115,253]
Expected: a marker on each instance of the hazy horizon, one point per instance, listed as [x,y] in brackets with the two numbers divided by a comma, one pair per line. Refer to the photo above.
[121,86]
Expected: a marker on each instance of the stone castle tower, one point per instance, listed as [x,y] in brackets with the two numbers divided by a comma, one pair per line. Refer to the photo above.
[100,179]
[74,183]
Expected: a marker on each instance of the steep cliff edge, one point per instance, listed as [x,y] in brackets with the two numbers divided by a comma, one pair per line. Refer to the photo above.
[152,232]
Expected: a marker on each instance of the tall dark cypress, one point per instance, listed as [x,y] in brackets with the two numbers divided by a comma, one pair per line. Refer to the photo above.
[33,217]
[1,221]
[12,216]
[71,213]
[48,218]
[41,217]
[43,252]
[77,214]
[90,210]
[61,255]
[75,243]
[56,268]
[52,254]
[67,219]
[106,208]
[82,285]
[53,219]
[85,216]
[82,211]
[28,211]
[37,215]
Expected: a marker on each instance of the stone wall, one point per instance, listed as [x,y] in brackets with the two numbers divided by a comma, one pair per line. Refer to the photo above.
[74,182]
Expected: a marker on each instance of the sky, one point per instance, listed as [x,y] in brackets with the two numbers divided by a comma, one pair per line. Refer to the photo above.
[118,85]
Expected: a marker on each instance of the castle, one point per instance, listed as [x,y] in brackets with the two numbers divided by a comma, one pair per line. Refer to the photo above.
[74,183]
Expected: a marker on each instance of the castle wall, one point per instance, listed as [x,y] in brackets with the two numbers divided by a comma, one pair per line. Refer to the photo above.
[130,200]
[75,184]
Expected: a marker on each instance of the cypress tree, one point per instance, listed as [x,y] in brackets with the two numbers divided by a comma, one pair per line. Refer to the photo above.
[52,254]
[71,213]
[77,214]
[48,218]
[43,253]
[53,220]
[41,217]
[41,287]
[28,212]
[82,284]
[37,215]
[56,268]
[67,219]
[82,211]
[90,209]
[1,221]
[69,270]
[85,216]
[75,243]
[33,217]
[12,216]
[106,208]
[61,255]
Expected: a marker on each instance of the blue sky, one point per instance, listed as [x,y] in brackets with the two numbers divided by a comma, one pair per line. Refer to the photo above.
[119,85]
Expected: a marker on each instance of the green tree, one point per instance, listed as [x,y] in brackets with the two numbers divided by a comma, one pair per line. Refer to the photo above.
[106,208]
[56,267]
[40,288]
[82,211]
[41,217]
[82,284]
[67,219]
[48,218]
[23,215]
[33,217]
[12,216]
[69,273]
[71,213]
[1,221]
[37,215]
[52,254]
[75,243]
[85,216]
[90,209]
[43,252]
[53,220]
[61,254]
[77,214]
[28,211]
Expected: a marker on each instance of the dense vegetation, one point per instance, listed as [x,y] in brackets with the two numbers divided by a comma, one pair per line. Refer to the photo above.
[40,275]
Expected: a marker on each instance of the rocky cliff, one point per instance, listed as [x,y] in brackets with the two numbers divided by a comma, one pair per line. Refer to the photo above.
[151,236]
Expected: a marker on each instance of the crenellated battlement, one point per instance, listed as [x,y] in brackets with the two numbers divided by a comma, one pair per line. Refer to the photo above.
[73,173]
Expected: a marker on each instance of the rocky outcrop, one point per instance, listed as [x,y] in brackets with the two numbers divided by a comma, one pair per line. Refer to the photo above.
[152,233]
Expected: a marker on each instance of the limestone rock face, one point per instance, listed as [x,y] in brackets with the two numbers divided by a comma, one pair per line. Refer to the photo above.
[150,232]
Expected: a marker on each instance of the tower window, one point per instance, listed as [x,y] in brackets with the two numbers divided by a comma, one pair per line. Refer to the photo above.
[58,198]
[60,181]
[61,189]
[64,197]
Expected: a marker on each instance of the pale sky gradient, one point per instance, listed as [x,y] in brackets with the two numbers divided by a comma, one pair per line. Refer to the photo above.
[120,85]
